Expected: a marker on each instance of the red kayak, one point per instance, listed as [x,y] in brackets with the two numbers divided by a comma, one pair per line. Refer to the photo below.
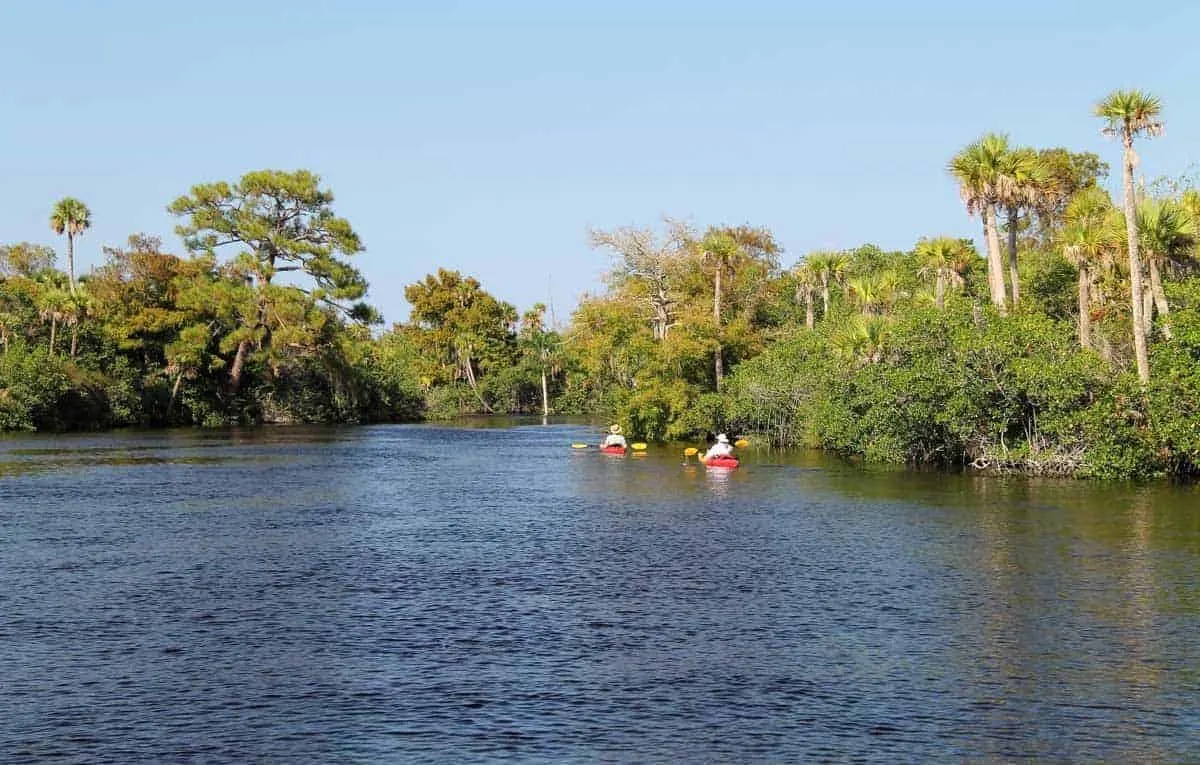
[721,462]
[613,449]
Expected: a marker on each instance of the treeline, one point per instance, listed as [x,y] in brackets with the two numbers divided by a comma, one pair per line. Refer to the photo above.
[1071,347]
[260,320]
[1047,356]
[218,336]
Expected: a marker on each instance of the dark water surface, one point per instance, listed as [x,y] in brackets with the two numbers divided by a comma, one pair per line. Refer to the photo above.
[411,594]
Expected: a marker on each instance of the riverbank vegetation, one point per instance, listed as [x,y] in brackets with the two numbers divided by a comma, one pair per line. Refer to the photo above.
[216,336]
[1069,346]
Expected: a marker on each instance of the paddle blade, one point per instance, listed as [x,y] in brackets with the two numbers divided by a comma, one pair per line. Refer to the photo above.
[691,450]
[741,443]
[579,446]
[638,447]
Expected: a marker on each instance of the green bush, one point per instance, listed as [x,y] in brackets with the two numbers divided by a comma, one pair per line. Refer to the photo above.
[964,386]
[32,383]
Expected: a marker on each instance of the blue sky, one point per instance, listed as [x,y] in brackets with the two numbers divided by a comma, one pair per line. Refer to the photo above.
[488,137]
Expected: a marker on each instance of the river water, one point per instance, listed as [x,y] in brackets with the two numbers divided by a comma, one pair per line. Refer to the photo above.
[455,594]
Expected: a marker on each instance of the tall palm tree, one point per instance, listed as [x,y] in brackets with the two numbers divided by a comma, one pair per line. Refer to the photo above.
[731,248]
[1022,181]
[540,346]
[806,285]
[1088,239]
[1167,235]
[818,262]
[978,170]
[722,250]
[1130,113]
[72,217]
[830,268]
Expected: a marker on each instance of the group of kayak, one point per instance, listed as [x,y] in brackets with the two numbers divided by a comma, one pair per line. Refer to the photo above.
[719,455]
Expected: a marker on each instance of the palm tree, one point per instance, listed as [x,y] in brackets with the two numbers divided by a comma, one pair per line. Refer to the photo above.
[1022,181]
[75,309]
[1088,239]
[806,284]
[1130,113]
[818,262]
[874,293]
[540,346]
[889,289]
[1167,235]
[72,217]
[863,339]
[830,268]
[978,170]
[722,250]
[964,258]
[838,272]
[53,306]
[938,257]
[863,291]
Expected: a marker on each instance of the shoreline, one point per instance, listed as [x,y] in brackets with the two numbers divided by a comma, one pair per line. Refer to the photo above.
[758,445]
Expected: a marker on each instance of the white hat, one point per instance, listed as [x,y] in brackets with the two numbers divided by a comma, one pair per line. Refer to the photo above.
[615,429]
[723,438]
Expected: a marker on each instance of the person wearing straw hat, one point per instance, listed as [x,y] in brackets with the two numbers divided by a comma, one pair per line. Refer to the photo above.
[722,448]
[614,437]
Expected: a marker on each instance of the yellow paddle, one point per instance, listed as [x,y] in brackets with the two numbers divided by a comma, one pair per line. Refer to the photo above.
[579,446]
[638,447]
[741,443]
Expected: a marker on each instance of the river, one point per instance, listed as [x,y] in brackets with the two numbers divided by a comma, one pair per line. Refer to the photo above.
[459,594]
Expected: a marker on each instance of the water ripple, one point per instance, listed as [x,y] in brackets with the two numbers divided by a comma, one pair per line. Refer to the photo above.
[454,595]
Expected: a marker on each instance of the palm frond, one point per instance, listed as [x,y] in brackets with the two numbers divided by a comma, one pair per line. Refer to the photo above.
[1130,112]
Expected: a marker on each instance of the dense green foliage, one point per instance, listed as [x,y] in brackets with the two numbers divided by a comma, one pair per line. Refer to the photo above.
[218,337]
[1030,359]
[1071,348]
[152,338]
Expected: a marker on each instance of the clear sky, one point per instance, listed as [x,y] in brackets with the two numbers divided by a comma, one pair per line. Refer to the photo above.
[489,136]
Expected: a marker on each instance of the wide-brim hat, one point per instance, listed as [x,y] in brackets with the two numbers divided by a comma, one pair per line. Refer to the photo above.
[723,438]
[615,429]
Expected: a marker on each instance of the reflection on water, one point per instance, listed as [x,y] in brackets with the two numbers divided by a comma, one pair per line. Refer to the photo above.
[718,481]
[65,460]
[25,454]
[333,594]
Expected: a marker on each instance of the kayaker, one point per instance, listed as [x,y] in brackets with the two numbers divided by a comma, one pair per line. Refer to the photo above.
[614,437]
[722,448]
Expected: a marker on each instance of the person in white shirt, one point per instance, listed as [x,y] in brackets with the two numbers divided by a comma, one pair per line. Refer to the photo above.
[722,448]
[614,437]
